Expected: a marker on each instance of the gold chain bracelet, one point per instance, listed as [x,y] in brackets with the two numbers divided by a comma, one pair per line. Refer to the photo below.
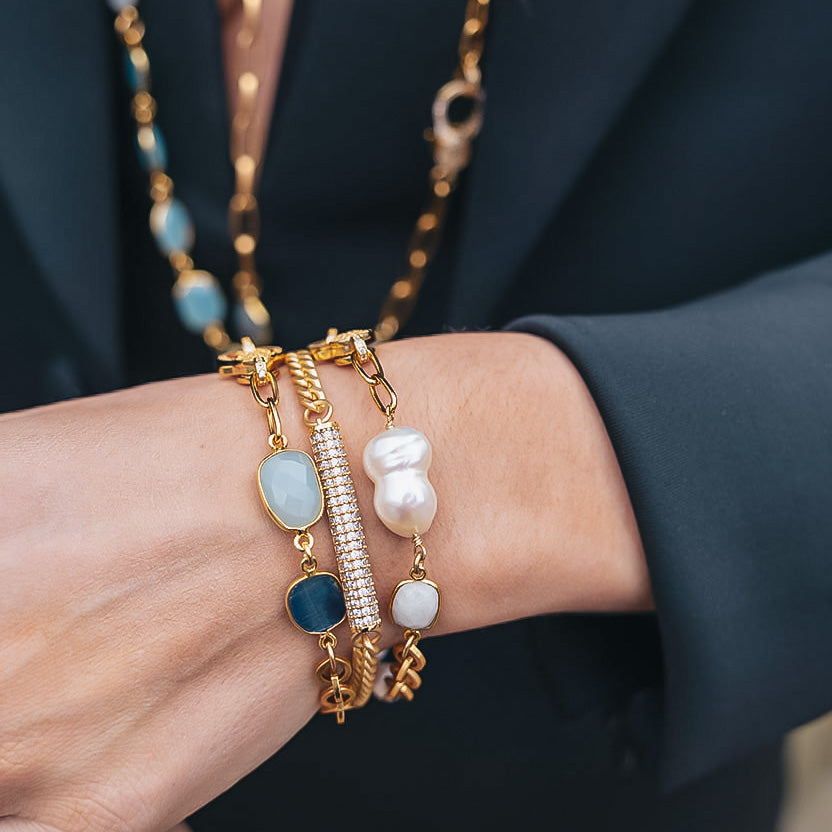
[345,522]
[397,461]
[291,490]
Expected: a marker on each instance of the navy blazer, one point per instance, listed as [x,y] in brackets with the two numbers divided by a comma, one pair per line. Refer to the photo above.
[650,192]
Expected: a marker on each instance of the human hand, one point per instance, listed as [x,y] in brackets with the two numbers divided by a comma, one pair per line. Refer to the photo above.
[146,661]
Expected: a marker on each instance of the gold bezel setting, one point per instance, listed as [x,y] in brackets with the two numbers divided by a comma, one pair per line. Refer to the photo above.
[272,514]
[399,585]
[300,580]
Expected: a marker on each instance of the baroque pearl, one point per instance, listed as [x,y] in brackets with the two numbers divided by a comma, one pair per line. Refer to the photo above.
[397,461]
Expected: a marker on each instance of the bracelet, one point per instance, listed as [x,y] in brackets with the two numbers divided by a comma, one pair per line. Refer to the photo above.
[397,462]
[344,520]
[291,490]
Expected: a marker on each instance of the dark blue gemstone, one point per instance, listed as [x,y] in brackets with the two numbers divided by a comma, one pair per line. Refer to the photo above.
[316,604]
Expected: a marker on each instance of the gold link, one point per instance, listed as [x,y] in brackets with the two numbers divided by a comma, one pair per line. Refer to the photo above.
[418,258]
[388,408]
[372,380]
[303,543]
[126,18]
[134,35]
[276,439]
[365,666]
[333,672]
[247,284]
[244,244]
[161,190]
[452,151]
[408,662]
[216,337]
[418,571]
[179,261]
[244,217]
[244,168]
[251,23]
[333,666]
[375,381]
[261,380]
[402,289]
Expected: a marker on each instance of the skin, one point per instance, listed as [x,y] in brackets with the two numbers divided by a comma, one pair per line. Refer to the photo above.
[146,660]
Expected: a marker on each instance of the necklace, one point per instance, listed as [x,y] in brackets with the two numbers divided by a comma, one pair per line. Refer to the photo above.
[197,294]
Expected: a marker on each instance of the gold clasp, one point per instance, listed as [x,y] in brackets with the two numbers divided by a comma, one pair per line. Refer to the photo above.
[452,139]
[341,346]
[248,362]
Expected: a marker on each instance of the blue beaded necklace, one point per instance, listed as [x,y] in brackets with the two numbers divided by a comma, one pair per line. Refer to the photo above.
[197,294]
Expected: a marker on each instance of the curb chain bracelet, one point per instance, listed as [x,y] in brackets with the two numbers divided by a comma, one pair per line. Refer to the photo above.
[345,522]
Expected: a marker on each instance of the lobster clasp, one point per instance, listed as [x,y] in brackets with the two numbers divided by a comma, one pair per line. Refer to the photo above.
[341,346]
[452,139]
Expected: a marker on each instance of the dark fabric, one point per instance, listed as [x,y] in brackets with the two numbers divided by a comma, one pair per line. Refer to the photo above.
[706,403]
[637,161]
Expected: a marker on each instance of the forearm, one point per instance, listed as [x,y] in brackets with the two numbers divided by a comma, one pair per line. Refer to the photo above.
[168,615]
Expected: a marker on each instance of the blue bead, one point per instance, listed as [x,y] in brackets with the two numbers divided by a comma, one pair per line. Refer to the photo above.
[171,225]
[137,75]
[118,5]
[199,300]
[153,152]
[316,604]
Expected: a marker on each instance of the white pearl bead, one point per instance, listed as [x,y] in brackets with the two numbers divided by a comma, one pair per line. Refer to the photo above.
[397,462]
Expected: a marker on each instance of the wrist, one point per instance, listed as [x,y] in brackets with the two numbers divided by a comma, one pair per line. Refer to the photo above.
[533,513]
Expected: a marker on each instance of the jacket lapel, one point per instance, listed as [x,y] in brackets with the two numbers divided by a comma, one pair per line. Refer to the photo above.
[57,170]
[557,76]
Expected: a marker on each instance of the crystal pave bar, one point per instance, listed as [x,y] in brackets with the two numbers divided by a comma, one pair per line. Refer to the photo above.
[347,530]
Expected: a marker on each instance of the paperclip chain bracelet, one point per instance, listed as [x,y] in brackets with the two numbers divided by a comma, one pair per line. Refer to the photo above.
[344,520]
[397,461]
[291,490]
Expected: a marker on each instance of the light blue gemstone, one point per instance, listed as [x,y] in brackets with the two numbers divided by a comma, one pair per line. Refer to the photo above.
[290,489]
[172,227]
[316,604]
[199,300]
[153,153]
[118,5]
[137,80]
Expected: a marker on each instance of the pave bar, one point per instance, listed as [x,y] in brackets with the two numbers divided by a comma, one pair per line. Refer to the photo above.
[347,530]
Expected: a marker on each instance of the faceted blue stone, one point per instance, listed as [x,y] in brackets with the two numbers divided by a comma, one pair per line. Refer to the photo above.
[172,227]
[118,5]
[153,152]
[316,604]
[290,489]
[199,300]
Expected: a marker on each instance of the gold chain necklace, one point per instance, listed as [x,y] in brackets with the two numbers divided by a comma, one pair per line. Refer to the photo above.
[197,294]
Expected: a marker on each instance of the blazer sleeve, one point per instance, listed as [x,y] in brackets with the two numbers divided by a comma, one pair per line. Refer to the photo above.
[720,411]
